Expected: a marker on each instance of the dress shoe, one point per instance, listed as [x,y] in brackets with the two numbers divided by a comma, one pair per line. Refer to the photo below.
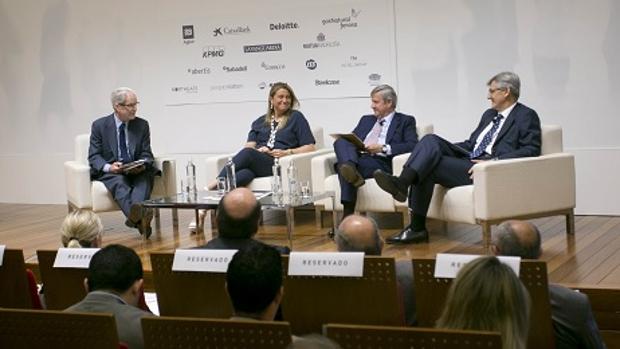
[391,184]
[351,175]
[144,227]
[135,215]
[130,224]
[408,236]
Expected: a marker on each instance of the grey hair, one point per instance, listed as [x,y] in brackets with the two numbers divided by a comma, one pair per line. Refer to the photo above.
[119,95]
[509,244]
[507,80]
[387,94]
[345,244]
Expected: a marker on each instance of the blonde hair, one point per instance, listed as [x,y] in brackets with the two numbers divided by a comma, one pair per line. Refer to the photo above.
[294,103]
[487,296]
[81,228]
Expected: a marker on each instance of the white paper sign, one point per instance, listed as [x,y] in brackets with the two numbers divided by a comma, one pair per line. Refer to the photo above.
[448,265]
[215,261]
[74,257]
[326,263]
[2,247]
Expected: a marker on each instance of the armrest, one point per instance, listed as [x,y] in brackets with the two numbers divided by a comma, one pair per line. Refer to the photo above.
[214,165]
[167,166]
[398,162]
[513,187]
[303,163]
[77,183]
[322,167]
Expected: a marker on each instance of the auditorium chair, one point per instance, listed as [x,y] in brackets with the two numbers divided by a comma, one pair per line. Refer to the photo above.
[177,332]
[394,337]
[370,198]
[84,193]
[18,288]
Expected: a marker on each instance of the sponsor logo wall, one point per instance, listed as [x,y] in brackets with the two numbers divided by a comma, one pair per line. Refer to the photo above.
[333,52]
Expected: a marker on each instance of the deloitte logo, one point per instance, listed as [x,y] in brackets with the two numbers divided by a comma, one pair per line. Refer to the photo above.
[311,64]
[284,26]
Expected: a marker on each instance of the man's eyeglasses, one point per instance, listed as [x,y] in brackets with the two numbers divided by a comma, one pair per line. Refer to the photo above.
[132,105]
[492,90]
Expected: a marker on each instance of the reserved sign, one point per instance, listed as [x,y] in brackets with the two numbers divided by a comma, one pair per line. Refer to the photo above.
[207,260]
[326,263]
[74,257]
[448,265]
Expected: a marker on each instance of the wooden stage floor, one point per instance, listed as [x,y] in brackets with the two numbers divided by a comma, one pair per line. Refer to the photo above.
[590,257]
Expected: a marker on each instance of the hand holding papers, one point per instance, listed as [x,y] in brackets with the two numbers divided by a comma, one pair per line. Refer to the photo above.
[352,138]
[132,166]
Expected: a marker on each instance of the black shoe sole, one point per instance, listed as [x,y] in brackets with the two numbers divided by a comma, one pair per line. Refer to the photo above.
[351,175]
[384,182]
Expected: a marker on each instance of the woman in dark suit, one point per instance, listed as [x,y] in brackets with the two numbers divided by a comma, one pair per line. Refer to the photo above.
[282,131]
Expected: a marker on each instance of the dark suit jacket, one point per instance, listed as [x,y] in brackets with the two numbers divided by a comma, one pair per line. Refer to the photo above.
[401,135]
[104,145]
[518,137]
[128,318]
[220,243]
[573,322]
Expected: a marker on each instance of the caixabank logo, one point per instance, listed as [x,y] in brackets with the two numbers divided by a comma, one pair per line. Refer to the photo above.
[232,30]
[345,22]
[188,34]
[213,52]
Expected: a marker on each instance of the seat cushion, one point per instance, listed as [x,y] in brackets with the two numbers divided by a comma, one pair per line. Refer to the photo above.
[454,205]
[102,199]
[369,196]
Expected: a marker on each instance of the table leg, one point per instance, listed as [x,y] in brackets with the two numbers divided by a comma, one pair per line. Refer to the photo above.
[290,223]
[199,225]
[332,233]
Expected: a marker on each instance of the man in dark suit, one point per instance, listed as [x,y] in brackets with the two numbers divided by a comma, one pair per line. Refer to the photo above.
[119,139]
[114,284]
[573,322]
[507,130]
[238,218]
[385,134]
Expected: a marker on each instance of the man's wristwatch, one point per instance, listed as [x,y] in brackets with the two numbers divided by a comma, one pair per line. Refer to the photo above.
[384,149]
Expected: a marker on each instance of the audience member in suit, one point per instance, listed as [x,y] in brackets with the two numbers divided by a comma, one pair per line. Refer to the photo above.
[118,139]
[254,282]
[507,130]
[81,228]
[488,296]
[238,218]
[385,134]
[361,234]
[114,285]
[573,322]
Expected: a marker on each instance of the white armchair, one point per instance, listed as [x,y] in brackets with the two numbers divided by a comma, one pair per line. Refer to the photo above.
[520,188]
[370,197]
[302,163]
[82,193]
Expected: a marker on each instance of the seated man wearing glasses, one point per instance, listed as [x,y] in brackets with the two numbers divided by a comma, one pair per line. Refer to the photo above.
[507,130]
[116,141]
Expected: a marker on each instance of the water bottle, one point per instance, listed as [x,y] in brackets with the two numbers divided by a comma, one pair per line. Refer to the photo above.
[291,172]
[276,179]
[190,175]
[231,177]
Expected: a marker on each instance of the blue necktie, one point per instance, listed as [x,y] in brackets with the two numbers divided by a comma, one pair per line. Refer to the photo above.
[486,140]
[122,144]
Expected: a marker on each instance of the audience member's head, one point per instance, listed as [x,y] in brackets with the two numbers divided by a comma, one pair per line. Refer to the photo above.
[116,269]
[81,228]
[238,214]
[487,296]
[313,341]
[254,281]
[359,234]
[517,238]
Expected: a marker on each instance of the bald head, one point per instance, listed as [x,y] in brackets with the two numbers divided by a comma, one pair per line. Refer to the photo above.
[517,238]
[359,234]
[238,214]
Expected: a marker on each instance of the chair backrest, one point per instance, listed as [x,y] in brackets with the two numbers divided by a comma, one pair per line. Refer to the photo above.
[62,287]
[605,303]
[551,139]
[317,132]
[82,143]
[14,292]
[311,301]
[424,129]
[184,293]
[431,292]
[175,332]
[363,336]
[54,329]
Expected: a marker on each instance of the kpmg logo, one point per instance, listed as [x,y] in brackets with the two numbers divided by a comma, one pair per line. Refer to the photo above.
[199,71]
[272,66]
[221,31]
[262,48]
[284,26]
[311,64]
[185,89]
[321,43]
[188,34]
[349,21]
[353,62]
[326,82]
[374,79]
[226,87]
[213,52]
[240,68]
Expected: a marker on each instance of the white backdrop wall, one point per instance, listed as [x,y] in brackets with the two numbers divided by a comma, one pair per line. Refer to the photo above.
[59,60]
